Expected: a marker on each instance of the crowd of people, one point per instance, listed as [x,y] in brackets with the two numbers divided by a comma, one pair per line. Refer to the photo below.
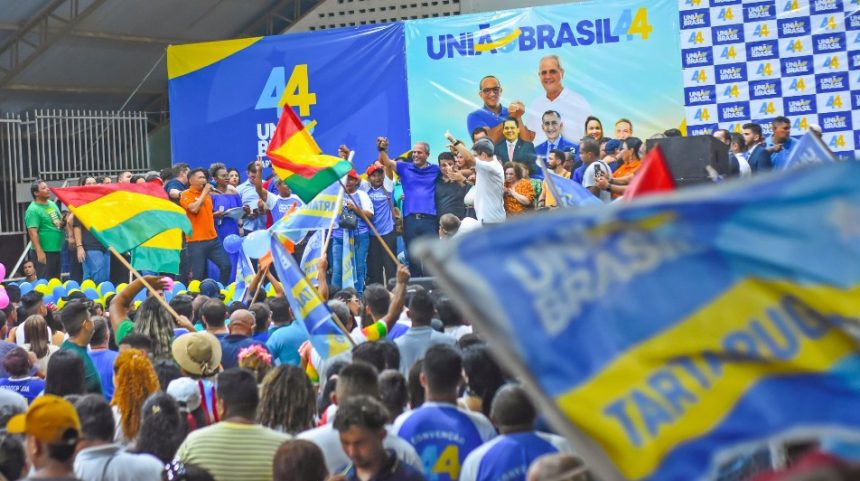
[233,390]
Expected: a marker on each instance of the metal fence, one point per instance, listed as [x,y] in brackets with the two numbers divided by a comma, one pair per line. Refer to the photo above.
[62,145]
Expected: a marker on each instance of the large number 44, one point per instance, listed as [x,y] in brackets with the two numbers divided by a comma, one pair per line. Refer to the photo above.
[295,92]
[441,467]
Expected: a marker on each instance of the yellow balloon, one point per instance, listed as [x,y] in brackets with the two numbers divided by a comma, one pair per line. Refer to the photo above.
[42,289]
[121,287]
[270,292]
[54,283]
[137,304]
[194,286]
[60,304]
[88,284]
[224,293]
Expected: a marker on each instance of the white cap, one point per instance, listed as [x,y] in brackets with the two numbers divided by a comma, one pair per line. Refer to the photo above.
[185,390]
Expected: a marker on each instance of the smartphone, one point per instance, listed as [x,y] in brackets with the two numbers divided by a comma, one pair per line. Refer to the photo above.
[597,170]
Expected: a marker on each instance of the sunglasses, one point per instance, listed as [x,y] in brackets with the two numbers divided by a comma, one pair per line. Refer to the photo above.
[491,90]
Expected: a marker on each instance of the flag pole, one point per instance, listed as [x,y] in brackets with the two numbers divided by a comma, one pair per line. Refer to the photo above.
[151,289]
[370,224]
[262,274]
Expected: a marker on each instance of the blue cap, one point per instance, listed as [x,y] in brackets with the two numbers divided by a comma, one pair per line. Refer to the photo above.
[612,145]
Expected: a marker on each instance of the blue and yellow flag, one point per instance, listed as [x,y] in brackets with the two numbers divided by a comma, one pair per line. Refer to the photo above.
[311,256]
[315,215]
[347,260]
[307,305]
[664,334]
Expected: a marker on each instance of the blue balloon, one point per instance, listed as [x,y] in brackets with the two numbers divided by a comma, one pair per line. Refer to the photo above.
[91,294]
[168,296]
[178,286]
[141,296]
[232,243]
[71,284]
[40,282]
[49,299]
[59,292]
[256,244]
[25,287]
[105,287]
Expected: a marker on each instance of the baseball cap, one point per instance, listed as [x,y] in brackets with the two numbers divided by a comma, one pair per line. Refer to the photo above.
[352,173]
[209,288]
[48,420]
[185,390]
[612,145]
[373,168]
[197,353]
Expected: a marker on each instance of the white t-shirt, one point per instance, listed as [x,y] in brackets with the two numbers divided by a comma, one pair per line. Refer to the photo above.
[589,180]
[574,109]
[328,440]
[489,191]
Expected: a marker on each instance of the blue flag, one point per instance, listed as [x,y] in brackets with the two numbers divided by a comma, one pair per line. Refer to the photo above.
[660,336]
[569,193]
[809,150]
[347,259]
[244,269]
[311,256]
[307,305]
[315,215]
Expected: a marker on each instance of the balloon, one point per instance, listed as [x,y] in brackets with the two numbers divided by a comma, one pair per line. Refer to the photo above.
[225,295]
[178,287]
[121,287]
[61,304]
[59,292]
[48,299]
[256,244]
[91,294]
[232,243]
[40,282]
[54,283]
[194,286]
[168,283]
[71,284]
[141,296]
[25,287]
[270,291]
[42,289]
[4,298]
[168,295]
[137,304]
[3,276]
[88,284]
[105,287]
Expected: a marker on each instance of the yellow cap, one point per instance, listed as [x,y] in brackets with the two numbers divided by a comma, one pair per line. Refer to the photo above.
[48,419]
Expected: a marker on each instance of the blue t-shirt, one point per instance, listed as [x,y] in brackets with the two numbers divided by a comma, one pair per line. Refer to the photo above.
[382,218]
[284,344]
[419,188]
[226,225]
[279,206]
[262,337]
[231,344]
[174,184]
[29,387]
[103,361]
[443,436]
[484,117]
[506,457]
[779,159]
[397,330]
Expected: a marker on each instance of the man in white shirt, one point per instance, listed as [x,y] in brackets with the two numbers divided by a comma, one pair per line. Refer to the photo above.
[355,380]
[597,173]
[574,109]
[489,180]
[279,204]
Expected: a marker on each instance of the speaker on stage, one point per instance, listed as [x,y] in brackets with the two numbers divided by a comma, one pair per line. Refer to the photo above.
[688,156]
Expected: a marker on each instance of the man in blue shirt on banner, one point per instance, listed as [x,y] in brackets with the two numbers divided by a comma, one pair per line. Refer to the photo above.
[781,143]
[492,114]
[419,191]
[552,125]
[509,455]
[442,433]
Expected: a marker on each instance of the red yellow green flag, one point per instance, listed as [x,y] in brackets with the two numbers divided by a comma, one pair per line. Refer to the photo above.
[129,216]
[299,162]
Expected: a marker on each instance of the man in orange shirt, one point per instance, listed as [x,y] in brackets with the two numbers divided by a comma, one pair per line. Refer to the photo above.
[203,242]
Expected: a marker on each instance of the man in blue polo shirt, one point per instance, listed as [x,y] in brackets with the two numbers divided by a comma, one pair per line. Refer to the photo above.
[509,455]
[419,191]
[492,114]
[781,143]
[442,433]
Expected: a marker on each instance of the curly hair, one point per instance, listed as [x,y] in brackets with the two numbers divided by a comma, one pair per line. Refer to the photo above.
[153,321]
[287,401]
[135,381]
[162,428]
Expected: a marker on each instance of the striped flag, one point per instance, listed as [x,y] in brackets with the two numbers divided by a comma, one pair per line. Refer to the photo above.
[298,160]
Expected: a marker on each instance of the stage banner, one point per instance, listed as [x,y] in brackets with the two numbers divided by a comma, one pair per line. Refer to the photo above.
[613,59]
[754,60]
[226,96]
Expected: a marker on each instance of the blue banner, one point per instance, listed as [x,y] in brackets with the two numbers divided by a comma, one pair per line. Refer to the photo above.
[809,150]
[225,97]
[688,326]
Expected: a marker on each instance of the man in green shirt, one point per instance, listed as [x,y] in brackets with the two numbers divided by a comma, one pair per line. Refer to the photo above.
[75,317]
[45,227]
